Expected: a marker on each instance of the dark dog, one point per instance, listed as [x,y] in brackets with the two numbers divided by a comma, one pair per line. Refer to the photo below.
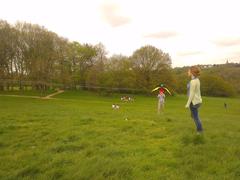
[225,106]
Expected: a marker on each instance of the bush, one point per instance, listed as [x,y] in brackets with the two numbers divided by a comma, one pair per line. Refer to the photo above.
[216,86]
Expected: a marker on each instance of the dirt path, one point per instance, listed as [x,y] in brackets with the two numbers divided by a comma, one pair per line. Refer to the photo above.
[36,97]
[53,94]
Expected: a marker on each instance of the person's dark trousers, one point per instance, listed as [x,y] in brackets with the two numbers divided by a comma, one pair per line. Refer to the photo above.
[194,114]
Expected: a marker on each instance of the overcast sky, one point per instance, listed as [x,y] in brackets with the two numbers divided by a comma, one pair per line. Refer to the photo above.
[191,31]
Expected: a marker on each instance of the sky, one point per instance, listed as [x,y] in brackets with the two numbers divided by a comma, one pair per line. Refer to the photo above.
[191,31]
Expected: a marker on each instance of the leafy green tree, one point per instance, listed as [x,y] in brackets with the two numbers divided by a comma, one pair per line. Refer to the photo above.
[6,51]
[151,66]
[82,58]
[36,57]
[121,72]
[212,85]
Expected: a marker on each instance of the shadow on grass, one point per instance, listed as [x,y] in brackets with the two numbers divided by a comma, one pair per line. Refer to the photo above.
[68,148]
[195,139]
[2,145]
[122,172]
[85,121]
[29,172]
[57,174]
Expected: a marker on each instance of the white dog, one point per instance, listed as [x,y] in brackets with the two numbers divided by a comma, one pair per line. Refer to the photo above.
[115,106]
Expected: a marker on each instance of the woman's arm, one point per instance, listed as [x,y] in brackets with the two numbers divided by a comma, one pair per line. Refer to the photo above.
[191,93]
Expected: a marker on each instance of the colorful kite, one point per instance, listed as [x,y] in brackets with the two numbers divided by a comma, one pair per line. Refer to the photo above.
[161,89]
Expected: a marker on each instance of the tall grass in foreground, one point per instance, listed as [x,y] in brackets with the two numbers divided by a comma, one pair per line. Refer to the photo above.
[79,136]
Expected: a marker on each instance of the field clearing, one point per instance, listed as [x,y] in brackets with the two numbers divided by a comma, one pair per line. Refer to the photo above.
[79,136]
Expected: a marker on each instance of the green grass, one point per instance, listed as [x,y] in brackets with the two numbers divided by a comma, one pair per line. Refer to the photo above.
[79,136]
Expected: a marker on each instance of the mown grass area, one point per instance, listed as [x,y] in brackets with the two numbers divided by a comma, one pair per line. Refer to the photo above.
[79,136]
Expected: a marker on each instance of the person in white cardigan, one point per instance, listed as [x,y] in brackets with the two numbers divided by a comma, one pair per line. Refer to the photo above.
[194,96]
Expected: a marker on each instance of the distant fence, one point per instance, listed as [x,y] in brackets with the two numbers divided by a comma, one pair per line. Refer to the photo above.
[6,84]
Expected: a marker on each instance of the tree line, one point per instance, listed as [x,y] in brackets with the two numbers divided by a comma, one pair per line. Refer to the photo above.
[216,80]
[32,56]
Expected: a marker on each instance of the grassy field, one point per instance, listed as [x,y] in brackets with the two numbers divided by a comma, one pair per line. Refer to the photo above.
[79,136]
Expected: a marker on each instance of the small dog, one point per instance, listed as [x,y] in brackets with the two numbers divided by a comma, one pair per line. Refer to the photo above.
[127,98]
[225,105]
[115,106]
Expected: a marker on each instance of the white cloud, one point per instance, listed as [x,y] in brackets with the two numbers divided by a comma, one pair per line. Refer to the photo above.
[161,35]
[111,13]
[190,53]
[227,41]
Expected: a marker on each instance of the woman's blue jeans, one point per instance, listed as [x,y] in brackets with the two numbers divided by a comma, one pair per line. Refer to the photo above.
[194,114]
